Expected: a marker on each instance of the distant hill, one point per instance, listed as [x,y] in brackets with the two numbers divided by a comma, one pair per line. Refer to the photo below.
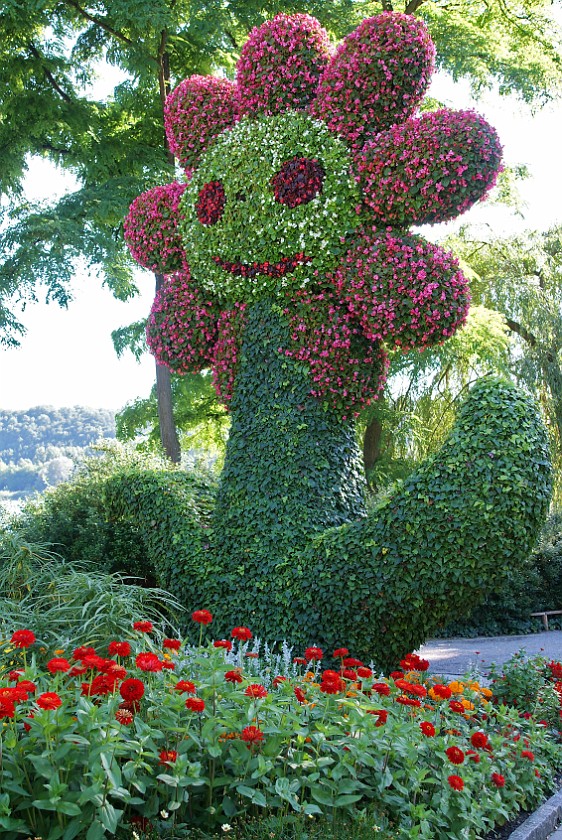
[39,447]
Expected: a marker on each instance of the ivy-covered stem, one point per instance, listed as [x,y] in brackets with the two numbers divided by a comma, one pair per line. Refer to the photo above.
[292,467]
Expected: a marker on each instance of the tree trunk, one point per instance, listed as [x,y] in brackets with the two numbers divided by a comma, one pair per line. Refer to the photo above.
[372,444]
[168,432]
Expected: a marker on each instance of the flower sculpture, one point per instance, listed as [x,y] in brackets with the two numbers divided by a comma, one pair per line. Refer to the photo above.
[291,271]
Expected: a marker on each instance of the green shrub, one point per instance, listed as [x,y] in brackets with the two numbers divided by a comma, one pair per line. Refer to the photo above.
[64,601]
[535,585]
[73,517]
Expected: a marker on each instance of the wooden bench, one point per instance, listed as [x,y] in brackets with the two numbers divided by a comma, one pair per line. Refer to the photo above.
[544,616]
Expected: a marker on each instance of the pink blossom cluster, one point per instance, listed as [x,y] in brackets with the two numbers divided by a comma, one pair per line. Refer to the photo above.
[429,169]
[377,77]
[280,65]
[151,229]
[402,290]
[231,325]
[182,327]
[346,370]
[197,111]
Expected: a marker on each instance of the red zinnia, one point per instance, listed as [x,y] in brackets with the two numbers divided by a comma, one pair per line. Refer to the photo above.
[278,680]
[313,653]
[27,685]
[256,690]
[299,694]
[233,676]
[299,660]
[223,643]
[381,688]
[351,662]
[143,626]
[49,700]
[168,757]
[92,660]
[54,665]
[498,780]
[131,689]
[455,755]
[473,756]
[340,652]
[364,673]
[332,686]
[202,616]
[442,691]
[252,735]
[528,754]
[427,728]
[82,651]
[185,685]
[456,782]
[456,706]
[148,662]
[194,704]
[14,676]
[7,707]
[479,740]
[172,644]
[124,716]
[241,633]
[23,638]
[119,649]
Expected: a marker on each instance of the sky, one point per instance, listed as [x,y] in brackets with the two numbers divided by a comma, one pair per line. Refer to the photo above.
[67,358]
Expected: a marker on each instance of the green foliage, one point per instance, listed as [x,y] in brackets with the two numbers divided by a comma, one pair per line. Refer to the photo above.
[533,586]
[528,685]
[521,277]
[70,603]
[423,393]
[200,418]
[93,765]
[73,516]
[432,548]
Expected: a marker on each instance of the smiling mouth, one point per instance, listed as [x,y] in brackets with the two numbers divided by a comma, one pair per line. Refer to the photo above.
[284,266]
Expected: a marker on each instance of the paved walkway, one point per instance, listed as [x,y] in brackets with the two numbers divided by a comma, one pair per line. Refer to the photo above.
[454,657]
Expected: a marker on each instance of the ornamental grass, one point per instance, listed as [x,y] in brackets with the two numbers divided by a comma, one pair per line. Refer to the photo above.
[150,736]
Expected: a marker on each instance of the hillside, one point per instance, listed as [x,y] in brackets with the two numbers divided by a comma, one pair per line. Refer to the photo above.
[39,446]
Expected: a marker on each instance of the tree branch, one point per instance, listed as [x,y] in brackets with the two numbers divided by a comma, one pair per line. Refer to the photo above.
[412,7]
[101,23]
[48,75]
[518,328]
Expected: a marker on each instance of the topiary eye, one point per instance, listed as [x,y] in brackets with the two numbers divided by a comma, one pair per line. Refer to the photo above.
[298,181]
[210,203]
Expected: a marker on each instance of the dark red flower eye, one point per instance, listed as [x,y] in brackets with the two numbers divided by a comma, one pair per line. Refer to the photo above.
[298,181]
[210,203]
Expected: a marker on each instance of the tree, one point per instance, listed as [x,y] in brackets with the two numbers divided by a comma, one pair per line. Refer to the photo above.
[423,393]
[521,277]
[115,147]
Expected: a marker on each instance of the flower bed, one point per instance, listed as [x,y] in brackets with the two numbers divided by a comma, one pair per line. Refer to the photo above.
[153,734]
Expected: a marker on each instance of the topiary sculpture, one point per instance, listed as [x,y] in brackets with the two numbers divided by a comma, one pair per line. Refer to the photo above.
[290,272]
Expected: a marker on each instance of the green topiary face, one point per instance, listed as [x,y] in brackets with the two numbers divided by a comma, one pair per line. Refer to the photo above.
[269,208]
